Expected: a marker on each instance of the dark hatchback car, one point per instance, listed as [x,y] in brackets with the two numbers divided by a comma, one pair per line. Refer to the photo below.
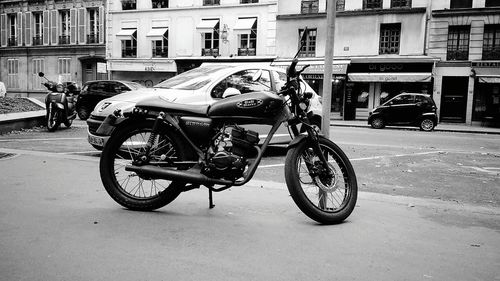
[407,109]
[94,91]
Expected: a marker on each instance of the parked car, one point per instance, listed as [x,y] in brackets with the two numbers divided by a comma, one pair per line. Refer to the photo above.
[203,85]
[406,109]
[95,91]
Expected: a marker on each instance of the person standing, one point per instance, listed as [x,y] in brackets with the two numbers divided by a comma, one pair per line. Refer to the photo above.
[3,90]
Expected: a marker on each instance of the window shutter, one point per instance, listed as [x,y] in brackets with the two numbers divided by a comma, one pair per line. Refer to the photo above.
[19,29]
[53,27]
[73,26]
[27,28]
[81,26]
[102,33]
[46,29]
[3,29]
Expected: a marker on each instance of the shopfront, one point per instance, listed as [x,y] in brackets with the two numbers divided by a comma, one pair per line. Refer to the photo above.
[314,76]
[486,105]
[372,84]
[145,72]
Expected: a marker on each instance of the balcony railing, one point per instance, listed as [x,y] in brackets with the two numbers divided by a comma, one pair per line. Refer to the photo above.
[12,41]
[63,39]
[457,54]
[129,52]
[37,40]
[246,52]
[211,2]
[491,53]
[92,38]
[210,52]
[160,52]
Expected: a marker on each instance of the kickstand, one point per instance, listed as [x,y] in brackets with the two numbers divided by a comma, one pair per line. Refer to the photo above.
[210,199]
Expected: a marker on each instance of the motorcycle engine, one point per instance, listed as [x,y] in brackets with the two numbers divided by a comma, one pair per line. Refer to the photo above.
[229,161]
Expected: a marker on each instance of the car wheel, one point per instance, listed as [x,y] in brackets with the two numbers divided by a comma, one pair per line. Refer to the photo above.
[83,113]
[377,123]
[427,124]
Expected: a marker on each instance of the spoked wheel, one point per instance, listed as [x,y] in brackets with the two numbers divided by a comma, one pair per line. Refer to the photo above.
[53,117]
[133,190]
[377,123]
[427,125]
[327,196]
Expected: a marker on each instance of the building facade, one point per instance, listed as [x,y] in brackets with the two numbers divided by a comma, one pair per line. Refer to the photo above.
[379,49]
[62,38]
[150,41]
[465,36]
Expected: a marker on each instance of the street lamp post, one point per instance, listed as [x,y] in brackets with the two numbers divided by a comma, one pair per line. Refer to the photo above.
[327,80]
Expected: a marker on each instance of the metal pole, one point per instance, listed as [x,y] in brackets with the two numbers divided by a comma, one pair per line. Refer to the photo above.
[327,80]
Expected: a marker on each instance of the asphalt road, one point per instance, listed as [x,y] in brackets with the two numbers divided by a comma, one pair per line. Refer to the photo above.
[428,210]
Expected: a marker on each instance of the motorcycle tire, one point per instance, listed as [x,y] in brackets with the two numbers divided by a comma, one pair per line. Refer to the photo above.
[53,120]
[68,123]
[327,199]
[133,191]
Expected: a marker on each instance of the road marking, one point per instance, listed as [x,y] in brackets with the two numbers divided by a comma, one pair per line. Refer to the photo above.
[48,139]
[366,158]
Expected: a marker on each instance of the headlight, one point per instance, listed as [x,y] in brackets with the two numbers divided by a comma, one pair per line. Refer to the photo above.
[100,108]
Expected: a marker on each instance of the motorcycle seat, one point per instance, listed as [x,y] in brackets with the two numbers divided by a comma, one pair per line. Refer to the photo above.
[158,103]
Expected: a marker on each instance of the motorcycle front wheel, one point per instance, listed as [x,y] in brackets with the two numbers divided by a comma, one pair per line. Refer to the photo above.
[53,119]
[327,196]
[130,189]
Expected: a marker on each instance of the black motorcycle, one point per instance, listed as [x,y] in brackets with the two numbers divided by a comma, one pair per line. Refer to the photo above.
[59,103]
[161,149]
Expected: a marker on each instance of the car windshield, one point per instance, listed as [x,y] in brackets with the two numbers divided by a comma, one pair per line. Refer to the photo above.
[134,85]
[193,79]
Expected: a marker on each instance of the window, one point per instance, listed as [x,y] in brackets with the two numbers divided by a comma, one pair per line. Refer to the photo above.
[458,42]
[372,4]
[159,4]
[12,31]
[211,42]
[160,45]
[243,82]
[37,28]
[492,3]
[64,31]
[389,38]
[248,42]
[404,99]
[340,5]
[64,69]
[248,1]
[13,73]
[491,42]
[309,6]
[211,2]
[93,26]
[400,3]
[309,49]
[129,5]
[129,48]
[38,66]
[454,4]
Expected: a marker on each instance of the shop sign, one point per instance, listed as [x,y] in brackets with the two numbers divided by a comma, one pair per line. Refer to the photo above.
[163,66]
[310,76]
[486,63]
[391,67]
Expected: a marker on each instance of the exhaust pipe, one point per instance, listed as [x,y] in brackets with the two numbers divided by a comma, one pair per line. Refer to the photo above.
[192,175]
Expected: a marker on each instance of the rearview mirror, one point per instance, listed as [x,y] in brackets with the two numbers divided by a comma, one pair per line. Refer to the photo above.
[41,74]
[303,38]
[229,92]
[257,75]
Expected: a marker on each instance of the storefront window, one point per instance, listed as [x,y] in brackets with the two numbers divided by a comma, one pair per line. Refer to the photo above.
[361,94]
[486,101]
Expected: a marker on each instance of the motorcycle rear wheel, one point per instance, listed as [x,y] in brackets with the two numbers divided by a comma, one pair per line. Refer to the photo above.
[327,199]
[133,191]
[53,119]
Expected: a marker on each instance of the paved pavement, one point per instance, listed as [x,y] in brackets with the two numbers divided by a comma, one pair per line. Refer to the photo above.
[441,127]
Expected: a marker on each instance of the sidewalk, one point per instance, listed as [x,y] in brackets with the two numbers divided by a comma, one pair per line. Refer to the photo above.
[441,127]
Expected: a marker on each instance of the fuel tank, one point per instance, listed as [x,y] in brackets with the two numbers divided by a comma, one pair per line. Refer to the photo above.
[249,108]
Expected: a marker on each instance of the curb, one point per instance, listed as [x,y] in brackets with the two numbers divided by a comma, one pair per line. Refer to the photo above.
[437,129]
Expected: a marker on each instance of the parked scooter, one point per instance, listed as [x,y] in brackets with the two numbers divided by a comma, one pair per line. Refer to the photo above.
[59,103]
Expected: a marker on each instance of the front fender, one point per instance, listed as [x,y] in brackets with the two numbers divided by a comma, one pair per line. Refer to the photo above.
[109,124]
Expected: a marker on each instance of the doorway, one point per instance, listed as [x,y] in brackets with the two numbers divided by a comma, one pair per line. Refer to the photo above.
[454,99]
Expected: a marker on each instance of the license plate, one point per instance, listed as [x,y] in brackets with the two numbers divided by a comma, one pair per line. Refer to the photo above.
[96,140]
